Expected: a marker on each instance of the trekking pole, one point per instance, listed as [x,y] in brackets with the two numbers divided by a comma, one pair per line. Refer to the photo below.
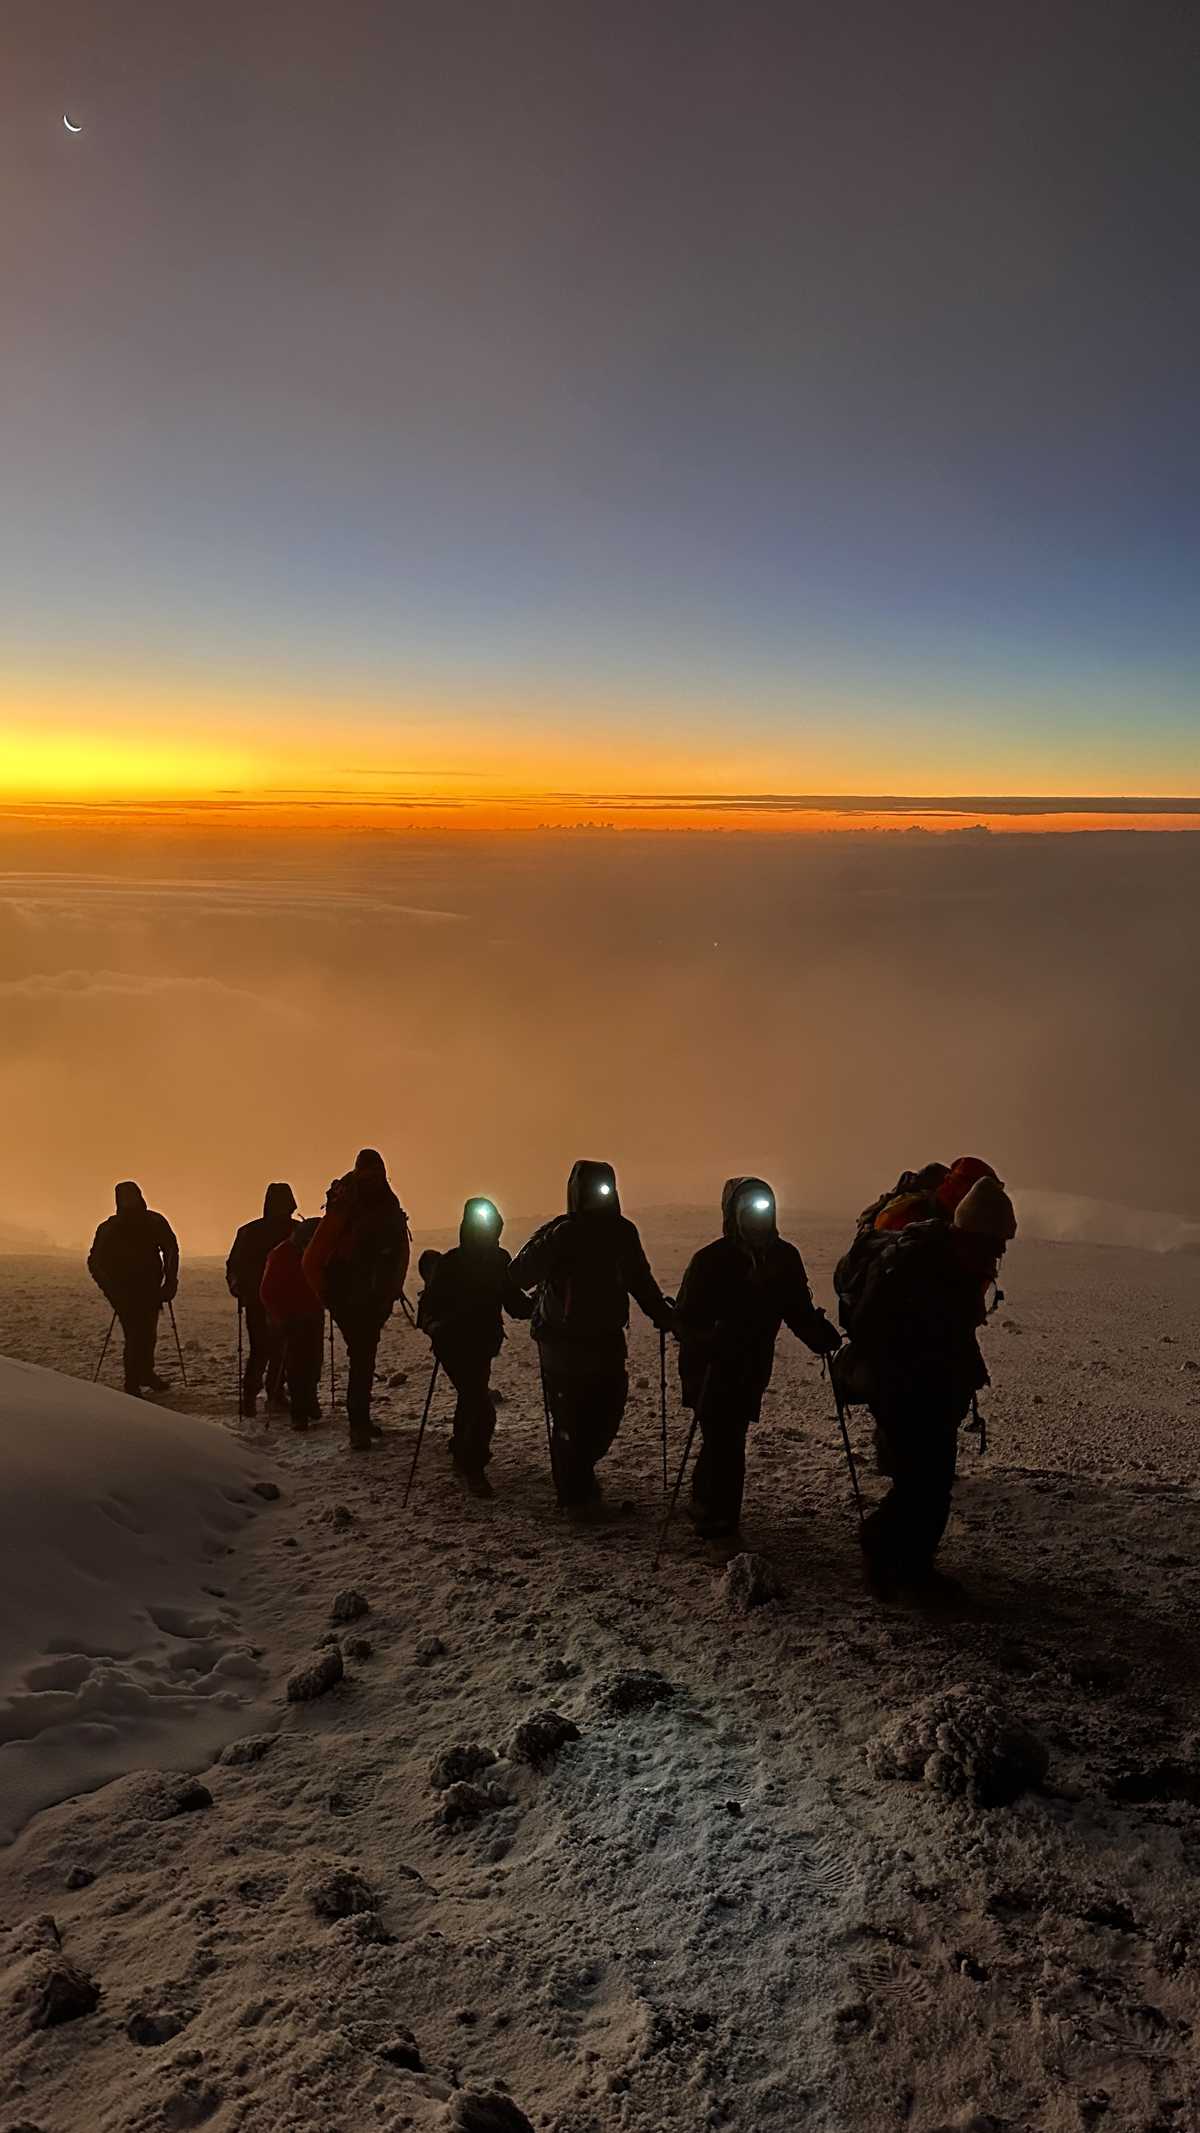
[407,1309]
[178,1344]
[662,1391]
[239,1376]
[412,1472]
[841,1415]
[670,1510]
[332,1373]
[104,1351]
[980,1422]
[549,1433]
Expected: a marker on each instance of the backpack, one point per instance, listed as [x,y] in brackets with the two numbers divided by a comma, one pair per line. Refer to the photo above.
[891,1279]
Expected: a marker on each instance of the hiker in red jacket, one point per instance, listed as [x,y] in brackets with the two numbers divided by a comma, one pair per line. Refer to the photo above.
[356,1263]
[297,1321]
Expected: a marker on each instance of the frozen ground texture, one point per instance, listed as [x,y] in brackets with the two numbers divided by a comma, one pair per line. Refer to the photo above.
[760,1889]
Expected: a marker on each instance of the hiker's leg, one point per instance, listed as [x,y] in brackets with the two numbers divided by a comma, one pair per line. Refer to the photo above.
[258,1349]
[139,1326]
[719,1478]
[474,1414]
[600,1413]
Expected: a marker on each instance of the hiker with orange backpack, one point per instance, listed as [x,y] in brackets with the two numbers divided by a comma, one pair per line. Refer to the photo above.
[356,1265]
[912,1300]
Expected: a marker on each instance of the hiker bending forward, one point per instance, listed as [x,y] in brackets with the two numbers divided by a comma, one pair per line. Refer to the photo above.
[585,1266]
[736,1294]
[912,1304]
[462,1306]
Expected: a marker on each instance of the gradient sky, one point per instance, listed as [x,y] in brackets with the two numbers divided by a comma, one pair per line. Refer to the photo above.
[462,399]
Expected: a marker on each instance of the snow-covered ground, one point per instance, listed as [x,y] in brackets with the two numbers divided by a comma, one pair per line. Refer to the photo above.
[711,1909]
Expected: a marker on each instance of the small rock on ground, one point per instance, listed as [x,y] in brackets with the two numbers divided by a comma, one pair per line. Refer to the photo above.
[466,1803]
[340,1892]
[539,1739]
[749,1582]
[961,1743]
[634,1689]
[56,1991]
[485,2111]
[318,1678]
[349,1606]
[268,1490]
[251,1748]
[456,1764]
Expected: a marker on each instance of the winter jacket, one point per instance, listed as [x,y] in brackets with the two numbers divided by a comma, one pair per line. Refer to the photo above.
[733,1301]
[256,1240]
[285,1292]
[134,1258]
[585,1266]
[463,1303]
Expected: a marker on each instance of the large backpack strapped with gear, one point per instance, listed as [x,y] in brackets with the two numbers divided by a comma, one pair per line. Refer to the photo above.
[890,1277]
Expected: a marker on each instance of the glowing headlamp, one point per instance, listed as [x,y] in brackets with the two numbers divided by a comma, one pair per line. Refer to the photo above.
[604,1191]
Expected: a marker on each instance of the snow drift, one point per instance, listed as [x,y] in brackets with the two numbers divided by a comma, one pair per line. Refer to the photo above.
[118,1647]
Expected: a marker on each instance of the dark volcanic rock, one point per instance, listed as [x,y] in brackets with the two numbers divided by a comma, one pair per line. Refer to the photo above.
[191,1797]
[339,1892]
[961,1743]
[749,1582]
[56,1991]
[539,1739]
[454,1765]
[462,1802]
[268,1490]
[251,1748]
[402,2049]
[80,1877]
[636,1688]
[316,1679]
[358,1648]
[349,1606]
[485,2111]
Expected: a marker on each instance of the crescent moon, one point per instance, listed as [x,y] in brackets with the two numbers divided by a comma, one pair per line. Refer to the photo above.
[70,128]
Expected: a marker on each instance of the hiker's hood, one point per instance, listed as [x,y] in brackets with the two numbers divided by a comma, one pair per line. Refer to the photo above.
[754,1224]
[592,1189]
[129,1198]
[279,1203]
[481,1227]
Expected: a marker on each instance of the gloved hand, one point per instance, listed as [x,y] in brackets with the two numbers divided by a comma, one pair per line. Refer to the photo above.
[170,1291]
[826,1339]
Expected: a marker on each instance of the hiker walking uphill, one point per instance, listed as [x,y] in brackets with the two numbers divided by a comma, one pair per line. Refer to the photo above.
[248,1255]
[912,1301]
[134,1259]
[585,1266]
[356,1264]
[735,1296]
[296,1319]
[462,1306]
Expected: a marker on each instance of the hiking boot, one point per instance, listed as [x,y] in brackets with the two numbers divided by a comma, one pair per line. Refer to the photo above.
[299,1421]
[248,1410]
[360,1440]
[477,1484]
[155,1384]
[938,1590]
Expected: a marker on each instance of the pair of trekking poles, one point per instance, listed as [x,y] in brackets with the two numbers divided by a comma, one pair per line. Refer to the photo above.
[178,1348]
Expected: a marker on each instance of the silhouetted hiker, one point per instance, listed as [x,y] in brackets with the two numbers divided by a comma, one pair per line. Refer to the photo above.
[248,1255]
[356,1264]
[735,1296]
[585,1266]
[911,1301]
[462,1306]
[135,1260]
[297,1320]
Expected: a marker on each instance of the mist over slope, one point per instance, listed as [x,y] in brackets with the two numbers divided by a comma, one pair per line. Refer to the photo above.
[207,1011]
